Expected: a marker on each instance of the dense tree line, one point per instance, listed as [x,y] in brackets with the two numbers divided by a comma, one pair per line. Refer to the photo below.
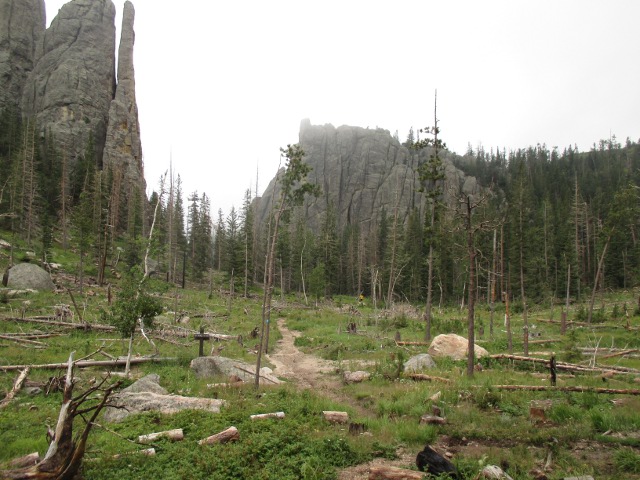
[546,215]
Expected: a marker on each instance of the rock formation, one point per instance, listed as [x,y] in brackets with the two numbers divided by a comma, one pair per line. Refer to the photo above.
[123,150]
[361,171]
[64,78]
[71,87]
[31,276]
[22,26]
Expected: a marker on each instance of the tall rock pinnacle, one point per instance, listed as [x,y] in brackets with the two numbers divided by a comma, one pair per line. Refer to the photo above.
[123,150]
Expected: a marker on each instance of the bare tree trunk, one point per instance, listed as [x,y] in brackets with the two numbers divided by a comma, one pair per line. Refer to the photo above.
[427,311]
[565,314]
[595,283]
[493,285]
[471,250]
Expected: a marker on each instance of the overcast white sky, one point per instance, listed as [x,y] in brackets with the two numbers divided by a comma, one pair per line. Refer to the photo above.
[221,85]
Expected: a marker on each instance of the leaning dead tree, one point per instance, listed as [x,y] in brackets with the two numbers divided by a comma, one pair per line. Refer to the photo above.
[64,456]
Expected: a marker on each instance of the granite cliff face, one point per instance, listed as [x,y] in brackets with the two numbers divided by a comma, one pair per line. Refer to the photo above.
[123,149]
[64,77]
[361,172]
[22,26]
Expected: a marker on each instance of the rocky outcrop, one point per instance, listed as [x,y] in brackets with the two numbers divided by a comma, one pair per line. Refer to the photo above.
[72,84]
[361,172]
[29,276]
[123,150]
[22,26]
[147,395]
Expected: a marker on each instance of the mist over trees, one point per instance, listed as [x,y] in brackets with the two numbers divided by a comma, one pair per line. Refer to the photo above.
[551,213]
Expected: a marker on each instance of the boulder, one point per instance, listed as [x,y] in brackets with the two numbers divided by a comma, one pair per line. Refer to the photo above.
[356,377]
[453,346]
[29,276]
[423,361]
[146,395]
[210,367]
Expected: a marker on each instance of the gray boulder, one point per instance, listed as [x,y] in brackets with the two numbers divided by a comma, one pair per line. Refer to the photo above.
[146,395]
[210,367]
[423,361]
[29,276]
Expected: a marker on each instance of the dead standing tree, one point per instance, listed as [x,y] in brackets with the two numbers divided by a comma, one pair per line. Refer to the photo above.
[467,204]
[64,456]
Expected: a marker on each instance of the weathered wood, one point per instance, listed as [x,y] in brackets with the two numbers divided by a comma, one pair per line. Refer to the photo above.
[563,365]
[48,321]
[393,473]
[17,385]
[619,354]
[421,344]
[88,363]
[432,420]
[174,435]
[335,417]
[261,416]
[231,434]
[64,456]
[26,461]
[423,377]
[542,388]
[22,340]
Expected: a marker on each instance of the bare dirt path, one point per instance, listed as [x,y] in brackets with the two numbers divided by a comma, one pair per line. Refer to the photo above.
[308,371]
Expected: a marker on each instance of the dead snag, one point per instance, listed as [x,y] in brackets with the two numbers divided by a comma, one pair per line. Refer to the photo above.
[64,456]
[16,388]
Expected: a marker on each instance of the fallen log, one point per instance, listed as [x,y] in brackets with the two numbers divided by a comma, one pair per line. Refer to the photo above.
[174,435]
[394,473]
[432,420]
[231,434]
[17,385]
[429,378]
[420,344]
[47,321]
[88,363]
[262,416]
[619,354]
[24,341]
[564,366]
[335,417]
[542,388]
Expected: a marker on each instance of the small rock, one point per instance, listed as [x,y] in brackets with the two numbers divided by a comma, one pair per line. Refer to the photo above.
[435,397]
[494,472]
[356,377]
[32,391]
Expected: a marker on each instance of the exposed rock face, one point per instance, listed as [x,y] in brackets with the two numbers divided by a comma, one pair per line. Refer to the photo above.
[29,276]
[147,395]
[453,346]
[361,171]
[71,87]
[123,150]
[22,26]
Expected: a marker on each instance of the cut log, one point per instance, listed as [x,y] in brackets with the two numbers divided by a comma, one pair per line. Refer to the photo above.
[428,378]
[432,420]
[262,416]
[231,434]
[544,388]
[394,473]
[17,385]
[174,435]
[335,417]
